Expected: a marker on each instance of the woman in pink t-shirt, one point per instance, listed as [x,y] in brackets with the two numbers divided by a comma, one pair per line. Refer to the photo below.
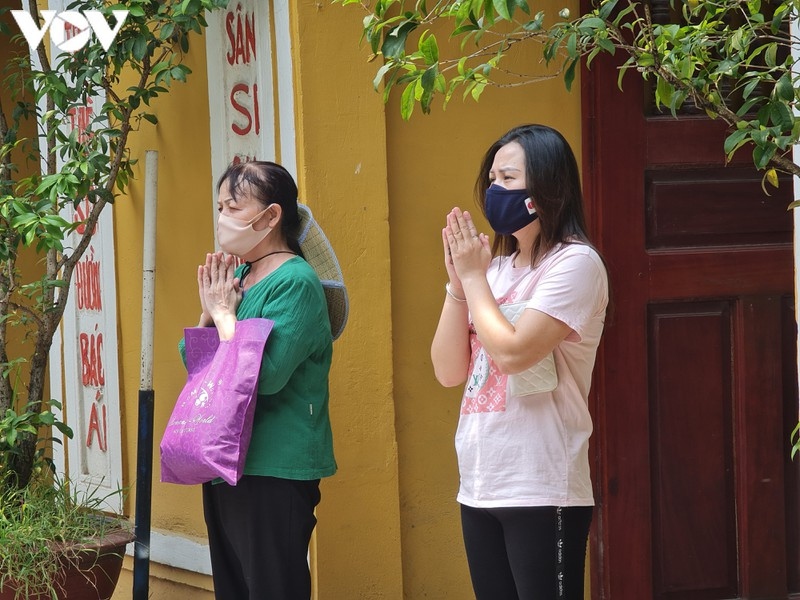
[520,326]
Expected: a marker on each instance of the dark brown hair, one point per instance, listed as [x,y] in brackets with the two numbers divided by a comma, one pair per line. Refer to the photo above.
[269,183]
[553,183]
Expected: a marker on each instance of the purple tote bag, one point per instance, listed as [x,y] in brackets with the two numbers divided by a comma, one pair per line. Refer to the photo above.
[209,431]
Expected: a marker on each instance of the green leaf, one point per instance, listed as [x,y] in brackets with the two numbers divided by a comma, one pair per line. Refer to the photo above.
[64,429]
[166,30]
[429,49]
[501,6]
[477,90]
[463,14]
[645,60]
[140,48]
[606,7]
[488,19]
[664,93]
[23,220]
[745,108]
[763,115]
[467,27]
[607,45]
[622,70]
[428,79]
[736,40]
[760,136]
[592,23]
[770,56]
[781,116]
[763,154]
[394,44]
[726,66]
[735,140]
[777,19]
[441,84]
[520,4]
[784,88]
[572,45]
[569,74]
[380,74]
[748,89]
[407,101]
[536,23]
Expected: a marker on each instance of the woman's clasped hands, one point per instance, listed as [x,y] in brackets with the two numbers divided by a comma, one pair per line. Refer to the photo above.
[467,253]
[219,293]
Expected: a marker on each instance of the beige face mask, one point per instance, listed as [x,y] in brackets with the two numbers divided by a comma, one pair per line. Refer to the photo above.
[237,236]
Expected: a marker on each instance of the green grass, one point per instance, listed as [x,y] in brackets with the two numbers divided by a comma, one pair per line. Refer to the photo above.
[39,528]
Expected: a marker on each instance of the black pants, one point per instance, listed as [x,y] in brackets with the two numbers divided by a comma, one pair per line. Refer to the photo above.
[258,533]
[535,553]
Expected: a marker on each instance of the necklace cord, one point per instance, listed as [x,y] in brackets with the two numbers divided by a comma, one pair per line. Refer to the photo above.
[248,264]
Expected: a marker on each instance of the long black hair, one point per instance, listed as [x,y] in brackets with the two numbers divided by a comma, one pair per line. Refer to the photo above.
[553,183]
[269,183]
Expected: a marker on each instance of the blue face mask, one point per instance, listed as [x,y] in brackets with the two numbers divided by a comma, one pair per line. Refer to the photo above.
[508,210]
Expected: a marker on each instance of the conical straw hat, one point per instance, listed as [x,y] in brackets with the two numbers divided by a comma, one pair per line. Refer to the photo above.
[320,255]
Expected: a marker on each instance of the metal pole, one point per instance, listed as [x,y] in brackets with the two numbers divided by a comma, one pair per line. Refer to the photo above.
[144,454]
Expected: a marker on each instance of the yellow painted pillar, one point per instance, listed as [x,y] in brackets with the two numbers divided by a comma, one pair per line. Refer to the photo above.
[342,167]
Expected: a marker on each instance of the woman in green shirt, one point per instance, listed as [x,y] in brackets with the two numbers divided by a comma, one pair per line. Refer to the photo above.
[259,529]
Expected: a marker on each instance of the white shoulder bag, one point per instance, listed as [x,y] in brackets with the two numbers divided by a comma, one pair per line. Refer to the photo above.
[539,378]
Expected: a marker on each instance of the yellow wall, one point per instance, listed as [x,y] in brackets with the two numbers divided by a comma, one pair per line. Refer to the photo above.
[342,159]
[388,521]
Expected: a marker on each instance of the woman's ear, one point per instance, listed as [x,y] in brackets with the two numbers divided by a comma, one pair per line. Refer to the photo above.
[271,218]
[274,214]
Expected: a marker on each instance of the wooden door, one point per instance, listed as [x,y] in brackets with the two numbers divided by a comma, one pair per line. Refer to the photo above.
[695,392]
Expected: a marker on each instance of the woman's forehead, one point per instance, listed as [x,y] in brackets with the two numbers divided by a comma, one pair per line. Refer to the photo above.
[509,157]
[240,190]
[511,151]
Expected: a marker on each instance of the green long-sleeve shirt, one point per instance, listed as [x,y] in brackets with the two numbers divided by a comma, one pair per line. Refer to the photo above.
[292,435]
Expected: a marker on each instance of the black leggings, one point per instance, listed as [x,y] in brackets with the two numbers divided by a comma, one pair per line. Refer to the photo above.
[258,532]
[526,553]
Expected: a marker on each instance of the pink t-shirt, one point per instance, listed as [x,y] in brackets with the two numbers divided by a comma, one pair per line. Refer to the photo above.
[532,450]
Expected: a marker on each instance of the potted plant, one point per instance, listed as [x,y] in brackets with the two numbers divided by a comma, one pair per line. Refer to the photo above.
[56,543]
[92,165]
